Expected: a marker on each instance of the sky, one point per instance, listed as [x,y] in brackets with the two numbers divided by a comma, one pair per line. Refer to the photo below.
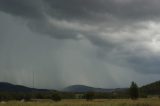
[99,43]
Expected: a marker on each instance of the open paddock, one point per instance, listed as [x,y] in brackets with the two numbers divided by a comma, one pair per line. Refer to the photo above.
[82,102]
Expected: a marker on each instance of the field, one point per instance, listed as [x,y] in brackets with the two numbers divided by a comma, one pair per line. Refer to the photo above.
[100,102]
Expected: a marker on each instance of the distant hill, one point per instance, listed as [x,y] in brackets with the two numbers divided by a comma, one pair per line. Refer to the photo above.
[152,89]
[7,87]
[149,89]
[83,88]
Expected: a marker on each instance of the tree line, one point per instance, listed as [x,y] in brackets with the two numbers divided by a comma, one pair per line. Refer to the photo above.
[133,92]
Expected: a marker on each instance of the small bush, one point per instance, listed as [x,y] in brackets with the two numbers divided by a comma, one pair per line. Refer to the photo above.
[39,96]
[27,97]
[89,96]
[56,97]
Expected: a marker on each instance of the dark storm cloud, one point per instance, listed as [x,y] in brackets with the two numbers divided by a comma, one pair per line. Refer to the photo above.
[146,65]
[95,10]
[114,26]
[83,9]
[142,60]
[22,8]
[85,12]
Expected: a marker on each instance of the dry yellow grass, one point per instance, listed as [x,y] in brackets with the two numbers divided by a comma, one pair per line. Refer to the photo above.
[100,102]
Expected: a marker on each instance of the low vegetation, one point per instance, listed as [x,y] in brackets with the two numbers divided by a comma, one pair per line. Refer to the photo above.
[89,96]
[82,102]
[56,97]
[128,97]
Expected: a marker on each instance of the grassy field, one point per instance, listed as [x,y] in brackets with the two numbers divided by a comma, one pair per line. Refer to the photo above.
[101,102]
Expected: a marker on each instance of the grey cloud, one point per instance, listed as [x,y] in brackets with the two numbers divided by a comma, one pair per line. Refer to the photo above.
[63,19]
[103,13]
[89,9]
[146,65]
[116,29]
[22,8]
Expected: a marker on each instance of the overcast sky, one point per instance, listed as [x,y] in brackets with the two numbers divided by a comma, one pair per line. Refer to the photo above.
[100,43]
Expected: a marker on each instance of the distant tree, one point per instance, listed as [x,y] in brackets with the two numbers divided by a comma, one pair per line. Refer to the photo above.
[134,91]
[39,96]
[5,96]
[1,98]
[27,97]
[89,96]
[18,96]
[56,97]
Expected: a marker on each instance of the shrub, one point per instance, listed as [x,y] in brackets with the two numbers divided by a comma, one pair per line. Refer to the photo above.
[27,97]
[56,97]
[39,96]
[89,96]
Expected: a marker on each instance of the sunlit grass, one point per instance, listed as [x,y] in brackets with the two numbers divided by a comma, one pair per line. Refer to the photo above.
[100,102]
